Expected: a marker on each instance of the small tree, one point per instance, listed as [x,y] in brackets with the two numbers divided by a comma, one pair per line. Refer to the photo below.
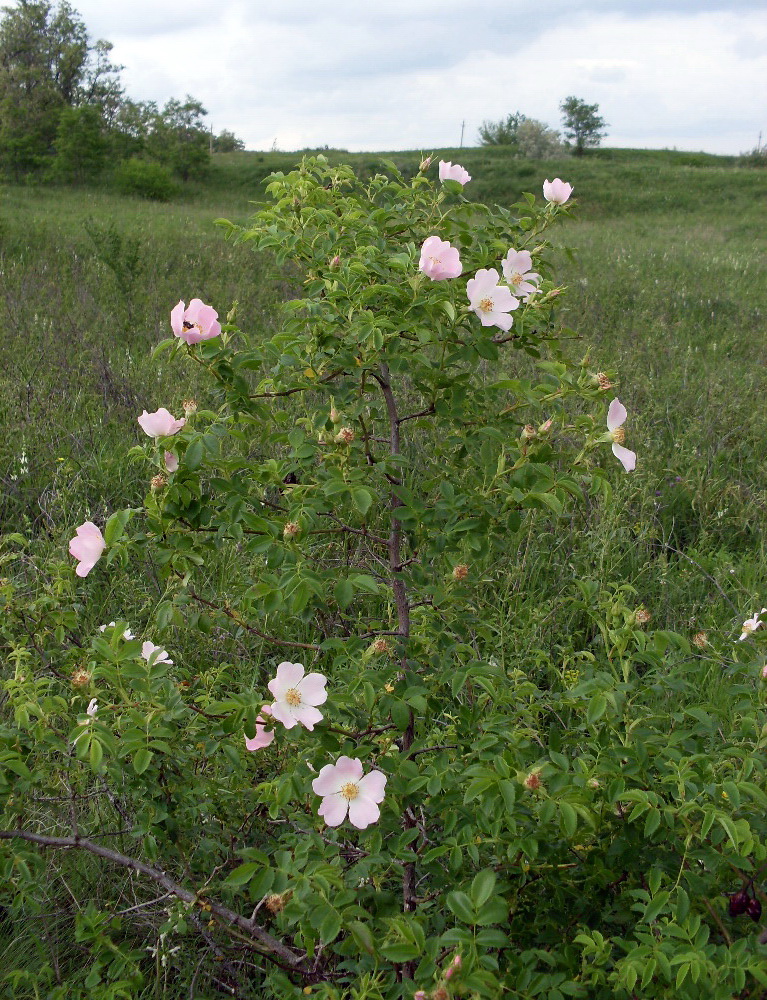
[227,142]
[536,141]
[583,126]
[503,132]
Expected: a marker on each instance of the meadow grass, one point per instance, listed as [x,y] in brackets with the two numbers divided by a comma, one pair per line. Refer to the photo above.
[667,288]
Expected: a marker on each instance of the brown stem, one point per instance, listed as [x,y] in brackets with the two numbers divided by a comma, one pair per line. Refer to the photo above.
[409,895]
[259,939]
[250,628]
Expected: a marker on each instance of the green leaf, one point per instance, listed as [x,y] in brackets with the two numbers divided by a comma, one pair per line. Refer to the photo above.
[330,926]
[116,525]
[400,715]
[362,499]
[363,936]
[569,818]
[193,455]
[242,874]
[460,904]
[401,951]
[343,593]
[141,760]
[96,753]
[596,709]
[482,887]
[655,906]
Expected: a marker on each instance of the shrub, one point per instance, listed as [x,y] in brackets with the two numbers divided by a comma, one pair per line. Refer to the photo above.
[145,179]
[434,805]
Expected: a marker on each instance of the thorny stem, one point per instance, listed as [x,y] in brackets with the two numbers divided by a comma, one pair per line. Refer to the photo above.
[249,628]
[257,938]
[409,895]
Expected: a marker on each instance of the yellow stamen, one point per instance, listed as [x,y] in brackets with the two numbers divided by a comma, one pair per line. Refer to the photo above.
[619,435]
[293,697]
[350,790]
[486,305]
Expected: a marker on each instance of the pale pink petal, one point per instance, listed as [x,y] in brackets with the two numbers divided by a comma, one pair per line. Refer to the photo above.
[307,716]
[333,809]
[177,318]
[262,738]
[87,547]
[627,458]
[312,689]
[327,781]
[372,786]
[171,461]
[349,768]
[287,677]
[363,812]
[282,713]
[504,300]
[616,415]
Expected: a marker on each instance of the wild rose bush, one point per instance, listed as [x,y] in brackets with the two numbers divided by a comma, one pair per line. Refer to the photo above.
[377,797]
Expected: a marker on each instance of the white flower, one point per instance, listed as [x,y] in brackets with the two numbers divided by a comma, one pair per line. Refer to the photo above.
[127,634]
[751,624]
[154,654]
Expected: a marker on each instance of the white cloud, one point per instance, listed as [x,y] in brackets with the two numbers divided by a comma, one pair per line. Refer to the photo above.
[399,75]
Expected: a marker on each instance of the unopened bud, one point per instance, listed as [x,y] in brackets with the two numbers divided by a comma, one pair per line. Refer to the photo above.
[545,426]
[158,483]
[290,530]
[642,616]
[335,416]
[593,783]
[700,639]
[425,164]
[81,678]
[335,262]
[460,572]
[532,781]
[345,436]
[603,381]
[190,407]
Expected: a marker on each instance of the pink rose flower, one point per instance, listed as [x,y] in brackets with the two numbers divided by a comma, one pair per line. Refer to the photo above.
[517,270]
[154,654]
[751,625]
[344,789]
[453,172]
[616,417]
[439,260]
[198,322]
[296,696]
[87,547]
[127,634]
[161,423]
[489,300]
[93,707]
[263,737]
[557,191]
[171,461]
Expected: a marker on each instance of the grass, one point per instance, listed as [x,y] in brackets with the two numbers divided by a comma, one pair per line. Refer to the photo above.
[667,288]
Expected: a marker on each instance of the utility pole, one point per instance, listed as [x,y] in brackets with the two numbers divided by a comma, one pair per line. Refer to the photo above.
[463,126]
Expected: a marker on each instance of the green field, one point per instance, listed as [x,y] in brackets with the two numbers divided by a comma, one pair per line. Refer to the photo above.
[666,292]
[667,288]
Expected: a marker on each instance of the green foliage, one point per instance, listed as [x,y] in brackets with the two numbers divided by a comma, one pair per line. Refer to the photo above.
[227,142]
[145,179]
[596,878]
[583,125]
[179,139]
[503,132]
[81,147]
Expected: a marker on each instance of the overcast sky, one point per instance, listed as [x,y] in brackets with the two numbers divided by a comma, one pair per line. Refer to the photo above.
[405,74]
